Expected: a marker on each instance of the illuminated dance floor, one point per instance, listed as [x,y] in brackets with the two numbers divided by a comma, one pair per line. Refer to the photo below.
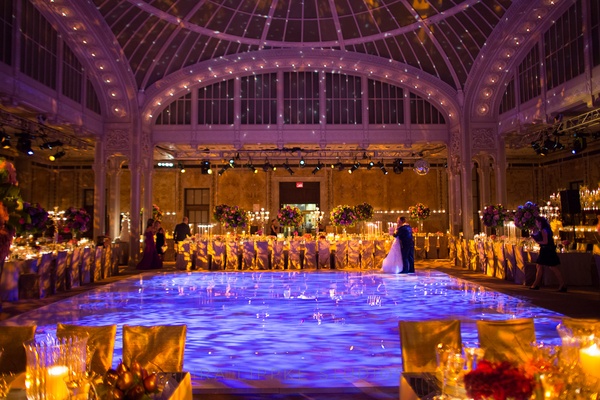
[284,330]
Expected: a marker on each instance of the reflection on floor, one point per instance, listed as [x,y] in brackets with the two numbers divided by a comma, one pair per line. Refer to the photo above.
[289,332]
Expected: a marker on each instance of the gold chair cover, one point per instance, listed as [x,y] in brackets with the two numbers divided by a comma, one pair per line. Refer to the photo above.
[101,341]
[11,340]
[507,340]
[233,250]
[262,254]
[324,251]
[341,254]
[278,257]
[380,250]
[419,340]
[310,255]
[582,326]
[156,348]
[294,255]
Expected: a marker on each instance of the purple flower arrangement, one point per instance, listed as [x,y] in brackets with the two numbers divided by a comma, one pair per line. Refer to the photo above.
[34,219]
[290,216]
[344,216]
[364,211]
[525,215]
[77,220]
[230,216]
[419,211]
[494,216]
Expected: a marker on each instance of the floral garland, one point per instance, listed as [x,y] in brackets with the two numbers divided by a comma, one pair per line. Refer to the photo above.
[290,216]
[525,215]
[230,216]
[498,381]
[419,211]
[34,219]
[77,220]
[343,216]
[364,211]
[494,216]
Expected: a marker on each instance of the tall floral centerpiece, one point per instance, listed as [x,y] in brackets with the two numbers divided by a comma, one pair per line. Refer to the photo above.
[493,216]
[77,221]
[419,212]
[231,217]
[364,213]
[344,216]
[525,215]
[157,213]
[34,219]
[290,217]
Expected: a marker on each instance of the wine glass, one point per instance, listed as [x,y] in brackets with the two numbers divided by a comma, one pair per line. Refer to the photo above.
[472,353]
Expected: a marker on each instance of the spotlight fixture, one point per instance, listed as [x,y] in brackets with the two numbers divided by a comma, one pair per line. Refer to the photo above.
[205,167]
[558,145]
[4,140]
[339,166]
[224,168]
[317,168]
[398,166]
[381,166]
[287,167]
[370,165]
[579,145]
[24,145]
[51,145]
[302,163]
[535,146]
[231,162]
[181,168]
[57,155]
[165,164]
[354,166]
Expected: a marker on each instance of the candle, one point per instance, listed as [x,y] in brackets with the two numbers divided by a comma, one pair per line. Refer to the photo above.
[590,360]
[56,386]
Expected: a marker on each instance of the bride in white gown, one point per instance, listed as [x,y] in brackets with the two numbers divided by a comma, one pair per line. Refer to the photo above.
[392,264]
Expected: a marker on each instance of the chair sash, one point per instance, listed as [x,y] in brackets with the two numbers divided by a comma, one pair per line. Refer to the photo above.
[460,256]
[294,255]
[341,256]
[13,358]
[232,255]
[9,282]
[324,251]
[353,253]
[507,340]
[262,254]
[101,343]
[466,254]
[499,260]
[45,274]
[310,254]
[473,256]
[85,275]
[98,264]
[107,260]
[156,348]
[217,253]
[60,281]
[419,341]
[75,267]
[248,255]
[380,250]
[202,255]
[278,261]
[490,259]
[366,254]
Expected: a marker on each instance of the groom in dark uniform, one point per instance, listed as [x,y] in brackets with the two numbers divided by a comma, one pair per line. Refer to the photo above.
[405,236]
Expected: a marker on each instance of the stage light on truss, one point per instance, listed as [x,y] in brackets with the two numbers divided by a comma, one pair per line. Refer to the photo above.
[287,167]
[398,166]
[317,168]
[579,145]
[370,165]
[24,145]
[57,155]
[302,163]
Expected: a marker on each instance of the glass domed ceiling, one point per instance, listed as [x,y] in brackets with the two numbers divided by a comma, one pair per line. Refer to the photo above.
[440,37]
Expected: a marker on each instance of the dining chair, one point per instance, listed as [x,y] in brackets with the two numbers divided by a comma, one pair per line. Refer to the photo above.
[13,358]
[324,254]
[278,260]
[509,339]
[419,341]
[156,348]
[101,343]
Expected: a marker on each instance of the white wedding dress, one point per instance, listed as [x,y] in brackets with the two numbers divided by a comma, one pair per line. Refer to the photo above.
[392,264]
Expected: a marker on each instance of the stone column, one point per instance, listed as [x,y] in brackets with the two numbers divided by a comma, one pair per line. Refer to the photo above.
[99,190]
[115,165]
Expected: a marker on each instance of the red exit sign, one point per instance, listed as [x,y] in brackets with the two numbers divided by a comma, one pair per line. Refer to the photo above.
[299,185]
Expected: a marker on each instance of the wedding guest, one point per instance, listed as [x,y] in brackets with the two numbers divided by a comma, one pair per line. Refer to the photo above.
[182,231]
[275,227]
[547,257]
[161,246]
[150,260]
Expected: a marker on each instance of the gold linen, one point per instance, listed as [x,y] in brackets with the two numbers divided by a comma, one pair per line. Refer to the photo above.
[507,340]
[419,340]
[11,340]
[582,327]
[156,348]
[101,341]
